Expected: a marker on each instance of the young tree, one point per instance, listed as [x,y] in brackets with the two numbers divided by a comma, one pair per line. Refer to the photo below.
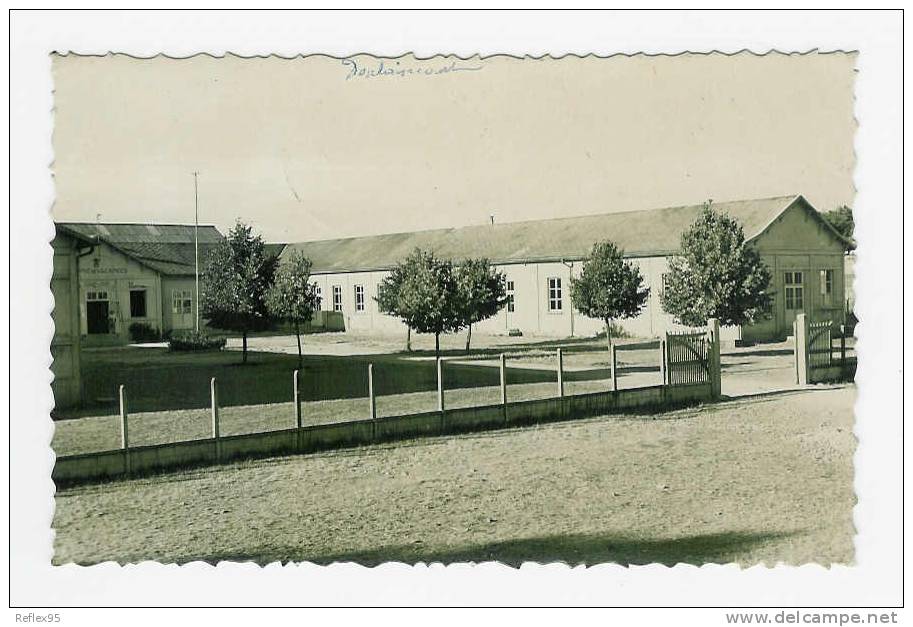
[421,292]
[481,293]
[388,294]
[716,275]
[291,297]
[234,284]
[608,288]
[841,219]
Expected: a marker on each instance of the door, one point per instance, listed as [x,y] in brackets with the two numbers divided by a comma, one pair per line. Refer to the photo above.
[793,296]
[97,316]
[182,309]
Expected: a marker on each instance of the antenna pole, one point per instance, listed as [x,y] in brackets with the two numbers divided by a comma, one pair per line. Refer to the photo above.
[196,247]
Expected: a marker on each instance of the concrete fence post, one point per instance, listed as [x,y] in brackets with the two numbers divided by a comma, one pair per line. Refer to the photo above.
[124,431]
[372,400]
[715,367]
[296,397]
[663,365]
[560,374]
[124,434]
[440,385]
[801,338]
[214,403]
[503,369]
[613,366]
[842,347]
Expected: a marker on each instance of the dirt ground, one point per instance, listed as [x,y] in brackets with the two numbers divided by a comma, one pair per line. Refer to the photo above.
[766,478]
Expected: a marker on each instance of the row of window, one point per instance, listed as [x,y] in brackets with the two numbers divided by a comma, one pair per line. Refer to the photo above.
[554,296]
[337,297]
[793,292]
[182,300]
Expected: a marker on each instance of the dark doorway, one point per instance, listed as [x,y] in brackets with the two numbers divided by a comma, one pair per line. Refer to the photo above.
[97,316]
[137,303]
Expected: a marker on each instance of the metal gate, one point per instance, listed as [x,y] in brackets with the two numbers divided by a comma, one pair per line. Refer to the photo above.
[687,358]
[820,344]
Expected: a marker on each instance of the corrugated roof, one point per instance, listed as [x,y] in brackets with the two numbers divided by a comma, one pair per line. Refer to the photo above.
[133,233]
[166,248]
[273,250]
[640,233]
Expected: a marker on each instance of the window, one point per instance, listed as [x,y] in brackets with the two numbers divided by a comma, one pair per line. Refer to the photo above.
[793,290]
[137,303]
[318,297]
[359,298]
[827,287]
[181,302]
[664,282]
[337,298]
[92,296]
[554,294]
[510,296]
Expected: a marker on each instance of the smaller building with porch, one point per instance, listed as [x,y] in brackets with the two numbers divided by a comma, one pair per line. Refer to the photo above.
[138,274]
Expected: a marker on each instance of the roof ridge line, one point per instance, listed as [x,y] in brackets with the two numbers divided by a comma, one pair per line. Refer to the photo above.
[790,197]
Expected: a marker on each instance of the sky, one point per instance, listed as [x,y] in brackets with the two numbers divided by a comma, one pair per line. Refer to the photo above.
[317,147]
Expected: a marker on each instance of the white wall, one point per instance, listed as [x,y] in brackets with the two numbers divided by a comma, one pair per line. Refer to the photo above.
[110,270]
[531,315]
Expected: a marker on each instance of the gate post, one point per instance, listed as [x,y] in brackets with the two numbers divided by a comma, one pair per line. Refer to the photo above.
[842,348]
[714,366]
[801,349]
[663,357]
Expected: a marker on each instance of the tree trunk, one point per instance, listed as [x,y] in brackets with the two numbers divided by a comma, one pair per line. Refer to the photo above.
[244,346]
[298,335]
[408,339]
[437,344]
[468,337]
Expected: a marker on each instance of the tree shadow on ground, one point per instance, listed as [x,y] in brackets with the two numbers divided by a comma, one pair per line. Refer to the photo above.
[768,352]
[568,345]
[774,394]
[571,549]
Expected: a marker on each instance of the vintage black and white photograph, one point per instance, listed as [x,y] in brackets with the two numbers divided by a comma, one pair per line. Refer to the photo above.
[454,309]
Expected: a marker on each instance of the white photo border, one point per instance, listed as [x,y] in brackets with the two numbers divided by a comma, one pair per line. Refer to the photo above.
[875,580]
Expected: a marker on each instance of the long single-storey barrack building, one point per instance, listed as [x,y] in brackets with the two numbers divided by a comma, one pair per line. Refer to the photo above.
[540,258]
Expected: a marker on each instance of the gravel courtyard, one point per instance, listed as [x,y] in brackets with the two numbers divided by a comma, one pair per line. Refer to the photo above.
[765,479]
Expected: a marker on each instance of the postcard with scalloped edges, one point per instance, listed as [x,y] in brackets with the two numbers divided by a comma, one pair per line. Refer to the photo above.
[454,309]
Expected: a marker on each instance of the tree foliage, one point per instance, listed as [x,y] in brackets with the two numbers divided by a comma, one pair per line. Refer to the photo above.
[422,290]
[291,297]
[841,219]
[234,283]
[609,288]
[482,292]
[716,275]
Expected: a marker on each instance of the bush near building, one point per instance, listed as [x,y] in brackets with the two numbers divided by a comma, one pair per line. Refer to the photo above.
[142,332]
[195,341]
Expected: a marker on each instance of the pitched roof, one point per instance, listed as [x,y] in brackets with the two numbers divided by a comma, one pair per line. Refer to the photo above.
[643,233]
[273,250]
[166,248]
